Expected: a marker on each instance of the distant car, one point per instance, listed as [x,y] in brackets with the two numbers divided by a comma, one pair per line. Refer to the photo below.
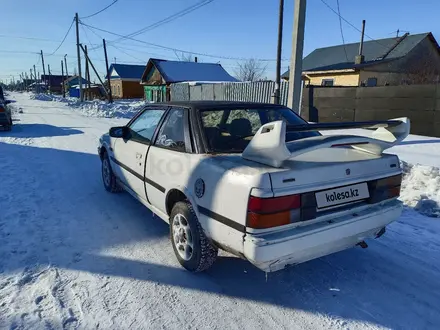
[255,180]
[5,112]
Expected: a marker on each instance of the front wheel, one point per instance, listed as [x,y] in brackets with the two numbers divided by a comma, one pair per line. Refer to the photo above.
[108,177]
[193,249]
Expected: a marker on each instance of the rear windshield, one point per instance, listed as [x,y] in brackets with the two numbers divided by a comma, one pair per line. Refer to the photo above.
[231,130]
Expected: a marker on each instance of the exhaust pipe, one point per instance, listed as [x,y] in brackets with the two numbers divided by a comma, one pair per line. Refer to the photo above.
[362,244]
[380,232]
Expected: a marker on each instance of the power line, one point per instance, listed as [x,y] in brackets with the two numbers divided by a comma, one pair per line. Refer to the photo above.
[64,39]
[26,38]
[351,24]
[143,61]
[342,32]
[100,11]
[168,19]
[18,52]
[180,50]
[88,39]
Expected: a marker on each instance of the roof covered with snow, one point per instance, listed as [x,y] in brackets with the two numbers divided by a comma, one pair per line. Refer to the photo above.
[126,71]
[178,71]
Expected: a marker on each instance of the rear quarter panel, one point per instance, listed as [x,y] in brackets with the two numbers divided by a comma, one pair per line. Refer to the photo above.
[221,205]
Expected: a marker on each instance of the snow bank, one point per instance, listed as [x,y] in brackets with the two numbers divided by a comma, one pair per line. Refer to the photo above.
[117,109]
[421,188]
[48,97]
[96,108]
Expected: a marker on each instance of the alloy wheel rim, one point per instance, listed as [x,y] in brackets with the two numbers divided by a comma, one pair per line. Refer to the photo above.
[182,236]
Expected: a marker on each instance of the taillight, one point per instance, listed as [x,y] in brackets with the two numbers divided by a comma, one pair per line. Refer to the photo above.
[384,189]
[2,109]
[273,212]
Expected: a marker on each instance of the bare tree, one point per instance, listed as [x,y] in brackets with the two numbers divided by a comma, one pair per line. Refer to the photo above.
[250,70]
[186,57]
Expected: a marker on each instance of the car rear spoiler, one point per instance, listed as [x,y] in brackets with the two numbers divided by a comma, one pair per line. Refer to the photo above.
[268,145]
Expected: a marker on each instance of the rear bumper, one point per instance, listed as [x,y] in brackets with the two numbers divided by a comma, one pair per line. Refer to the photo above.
[272,252]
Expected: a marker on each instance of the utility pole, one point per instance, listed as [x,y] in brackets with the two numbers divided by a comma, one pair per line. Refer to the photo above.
[44,70]
[62,79]
[50,79]
[86,74]
[279,50]
[81,95]
[93,67]
[110,96]
[295,74]
[65,64]
[37,87]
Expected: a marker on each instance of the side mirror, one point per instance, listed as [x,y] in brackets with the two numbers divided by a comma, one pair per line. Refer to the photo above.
[119,132]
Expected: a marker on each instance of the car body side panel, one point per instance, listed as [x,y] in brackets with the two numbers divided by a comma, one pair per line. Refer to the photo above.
[218,188]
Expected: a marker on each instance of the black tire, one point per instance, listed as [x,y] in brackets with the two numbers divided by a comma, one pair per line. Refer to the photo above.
[110,183]
[204,253]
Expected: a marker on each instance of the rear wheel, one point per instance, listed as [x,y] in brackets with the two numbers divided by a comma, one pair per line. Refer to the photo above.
[108,178]
[193,249]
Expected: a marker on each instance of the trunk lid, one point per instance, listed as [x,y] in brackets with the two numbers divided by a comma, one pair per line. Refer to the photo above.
[330,167]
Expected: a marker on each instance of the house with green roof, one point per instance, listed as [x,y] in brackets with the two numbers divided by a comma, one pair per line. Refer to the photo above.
[409,59]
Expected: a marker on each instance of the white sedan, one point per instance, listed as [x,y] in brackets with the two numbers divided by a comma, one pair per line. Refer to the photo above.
[255,180]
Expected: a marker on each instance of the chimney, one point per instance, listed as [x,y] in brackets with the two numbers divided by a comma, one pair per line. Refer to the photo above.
[360,58]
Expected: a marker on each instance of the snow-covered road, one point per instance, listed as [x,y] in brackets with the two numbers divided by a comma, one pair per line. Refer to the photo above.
[74,256]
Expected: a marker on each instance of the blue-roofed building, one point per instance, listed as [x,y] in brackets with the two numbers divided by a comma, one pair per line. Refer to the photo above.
[409,59]
[125,81]
[159,74]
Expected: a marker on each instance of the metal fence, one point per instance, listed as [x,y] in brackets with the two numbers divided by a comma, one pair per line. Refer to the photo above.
[260,91]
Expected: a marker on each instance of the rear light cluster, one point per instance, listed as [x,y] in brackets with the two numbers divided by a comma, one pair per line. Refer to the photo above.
[273,212]
[2,109]
[278,211]
[384,189]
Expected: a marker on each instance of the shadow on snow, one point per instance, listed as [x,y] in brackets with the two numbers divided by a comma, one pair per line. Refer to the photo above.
[76,216]
[39,130]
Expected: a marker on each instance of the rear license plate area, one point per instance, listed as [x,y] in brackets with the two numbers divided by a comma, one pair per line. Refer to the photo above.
[342,195]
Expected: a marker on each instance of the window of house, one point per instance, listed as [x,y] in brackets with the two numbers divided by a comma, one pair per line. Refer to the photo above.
[327,82]
[371,82]
[172,133]
[119,90]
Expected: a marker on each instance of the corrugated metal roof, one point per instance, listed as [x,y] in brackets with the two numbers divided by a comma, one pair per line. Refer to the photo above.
[333,58]
[128,71]
[176,71]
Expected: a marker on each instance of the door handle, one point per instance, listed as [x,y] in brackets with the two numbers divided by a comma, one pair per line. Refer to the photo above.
[138,155]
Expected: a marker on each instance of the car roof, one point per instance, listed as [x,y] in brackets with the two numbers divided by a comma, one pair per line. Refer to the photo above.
[206,105]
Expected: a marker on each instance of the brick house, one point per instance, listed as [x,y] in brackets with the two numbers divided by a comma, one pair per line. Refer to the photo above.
[409,59]
[124,81]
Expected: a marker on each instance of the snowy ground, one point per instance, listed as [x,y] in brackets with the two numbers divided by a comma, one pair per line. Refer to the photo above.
[74,256]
